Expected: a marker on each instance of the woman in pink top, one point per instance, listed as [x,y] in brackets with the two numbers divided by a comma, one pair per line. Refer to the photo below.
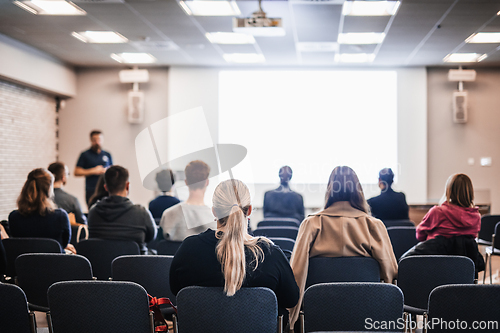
[456,215]
[451,228]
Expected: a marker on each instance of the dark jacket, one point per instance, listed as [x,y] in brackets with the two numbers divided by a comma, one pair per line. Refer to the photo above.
[53,225]
[196,264]
[389,205]
[158,205]
[464,245]
[116,217]
[70,204]
[283,202]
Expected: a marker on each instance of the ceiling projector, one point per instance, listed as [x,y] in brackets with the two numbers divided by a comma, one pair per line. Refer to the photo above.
[259,25]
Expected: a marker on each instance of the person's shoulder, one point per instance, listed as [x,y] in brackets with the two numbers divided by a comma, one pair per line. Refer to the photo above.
[14,214]
[107,153]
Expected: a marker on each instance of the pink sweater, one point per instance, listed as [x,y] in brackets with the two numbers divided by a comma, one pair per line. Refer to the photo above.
[449,220]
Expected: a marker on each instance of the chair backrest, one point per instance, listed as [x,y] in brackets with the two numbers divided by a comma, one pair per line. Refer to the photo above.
[283,243]
[14,313]
[342,269]
[278,222]
[151,272]
[496,243]
[470,304]
[284,232]
[36,272]
[101,253]
[488,223]
[168,247]
[419,275]
[209,310]
[350,306]
[398,223]
[402,239]
[14,247]
[99,306]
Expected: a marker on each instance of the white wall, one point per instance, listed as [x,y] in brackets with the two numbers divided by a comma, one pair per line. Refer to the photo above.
[194,87]
[450,145]
[30,67]
[102,104]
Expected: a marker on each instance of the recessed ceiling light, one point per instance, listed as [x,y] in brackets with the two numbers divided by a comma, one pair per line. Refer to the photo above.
[210,8]
[133,58]
[361,38]
[370,8]
[484,37]
[229,38]
[464,57]
[100,37]
[50,7]
[354,57]
[244,58]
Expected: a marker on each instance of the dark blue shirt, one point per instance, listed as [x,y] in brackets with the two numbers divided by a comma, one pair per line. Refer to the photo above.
[53,225]
[90,159]
[283,202]
[160,203]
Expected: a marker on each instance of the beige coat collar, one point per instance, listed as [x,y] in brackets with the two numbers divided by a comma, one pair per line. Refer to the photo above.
[341,208]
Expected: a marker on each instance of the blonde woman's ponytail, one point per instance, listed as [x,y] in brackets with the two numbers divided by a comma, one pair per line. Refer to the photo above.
[231,251]
[231,203]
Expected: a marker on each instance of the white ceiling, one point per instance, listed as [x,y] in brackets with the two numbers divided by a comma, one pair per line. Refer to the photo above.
[421,34]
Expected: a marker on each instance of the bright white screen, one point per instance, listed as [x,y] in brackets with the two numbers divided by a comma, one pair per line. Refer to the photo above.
[311,121]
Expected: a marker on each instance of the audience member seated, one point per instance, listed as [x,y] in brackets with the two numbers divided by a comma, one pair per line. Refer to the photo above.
[99,193]
[451,228]
[165,180]
[62,198]
[116,217]
[283,202]
[229,257]
[3,259]
[192,216]
[389,205]
[343,229]
[37,215]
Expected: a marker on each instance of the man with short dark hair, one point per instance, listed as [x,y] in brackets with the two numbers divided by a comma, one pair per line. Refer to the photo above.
[92,163]
[62,198]
[389,205]
[116,217]
[283,202]
[192,216]
[165,180]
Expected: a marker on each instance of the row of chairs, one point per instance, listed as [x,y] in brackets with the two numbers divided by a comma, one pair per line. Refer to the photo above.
[100,306]
[417,276]
[368,306]
[37,272]
[100,252]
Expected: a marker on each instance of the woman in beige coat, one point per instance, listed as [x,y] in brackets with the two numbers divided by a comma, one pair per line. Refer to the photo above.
[344,228]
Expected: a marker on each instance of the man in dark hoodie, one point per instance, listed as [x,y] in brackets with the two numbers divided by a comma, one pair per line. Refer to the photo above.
[116,217]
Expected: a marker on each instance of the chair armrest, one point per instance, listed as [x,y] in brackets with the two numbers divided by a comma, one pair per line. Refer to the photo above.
[174,318]
[280,324]
[302,322]
[32,322]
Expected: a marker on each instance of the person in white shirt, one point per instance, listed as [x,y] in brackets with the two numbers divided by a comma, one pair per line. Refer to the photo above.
[192,216]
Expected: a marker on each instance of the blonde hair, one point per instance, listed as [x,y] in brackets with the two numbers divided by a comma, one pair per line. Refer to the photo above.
[459,191]
[35,195]
[231,203]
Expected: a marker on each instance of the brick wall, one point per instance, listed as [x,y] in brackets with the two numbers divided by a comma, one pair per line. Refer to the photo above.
[28,139]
